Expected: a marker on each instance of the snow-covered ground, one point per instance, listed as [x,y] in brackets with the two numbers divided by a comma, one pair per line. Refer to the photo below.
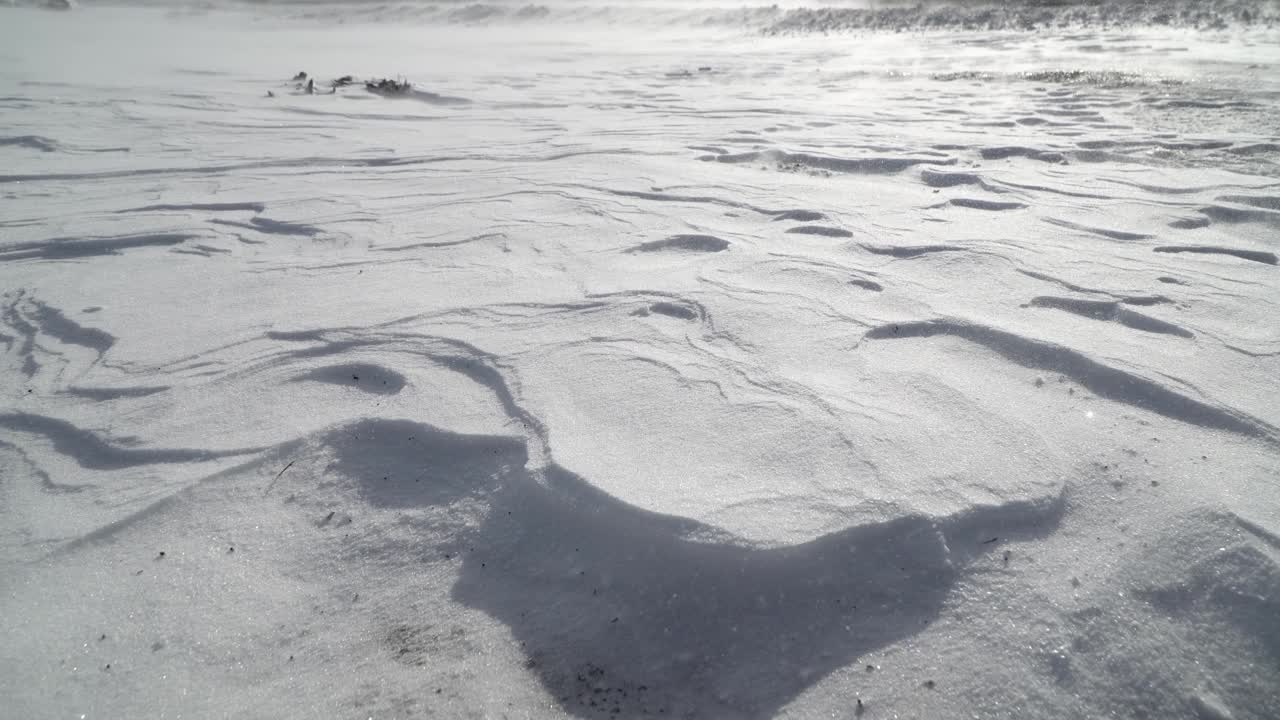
[674,359]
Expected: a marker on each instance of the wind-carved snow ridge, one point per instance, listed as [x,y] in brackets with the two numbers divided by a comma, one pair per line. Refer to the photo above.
[665,624]
[808,161]
[74,247]
[1111,310]
[668,617]
[31,319]
[453,355]
[92,452]
[1108,382]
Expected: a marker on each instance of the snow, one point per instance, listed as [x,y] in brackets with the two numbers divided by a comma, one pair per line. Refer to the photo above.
[668,359]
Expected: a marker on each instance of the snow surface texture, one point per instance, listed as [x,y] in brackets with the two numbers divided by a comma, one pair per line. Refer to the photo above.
[668,360]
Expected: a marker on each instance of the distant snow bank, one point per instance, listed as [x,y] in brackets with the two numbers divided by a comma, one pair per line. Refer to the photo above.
[772,18]
[1214,14]
[42,4]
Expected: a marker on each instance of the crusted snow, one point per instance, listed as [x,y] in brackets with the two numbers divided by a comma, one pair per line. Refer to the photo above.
[667,360]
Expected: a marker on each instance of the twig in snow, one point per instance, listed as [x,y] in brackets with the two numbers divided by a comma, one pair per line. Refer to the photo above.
[277,477]
[286,467]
